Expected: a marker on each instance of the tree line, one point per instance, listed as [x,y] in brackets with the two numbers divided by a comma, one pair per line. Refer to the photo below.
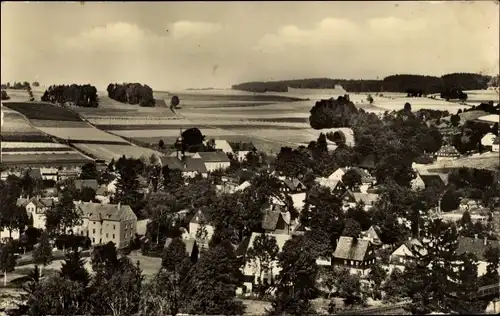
[132,93]
[20,85]
[79,95]
[412,84]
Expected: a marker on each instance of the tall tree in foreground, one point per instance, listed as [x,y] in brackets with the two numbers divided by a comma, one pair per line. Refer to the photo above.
[7,260]
[42,254]
[212,285]
[263,253]
[73,268]
[296,285]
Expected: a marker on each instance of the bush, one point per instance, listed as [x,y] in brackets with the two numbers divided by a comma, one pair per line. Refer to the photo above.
[424,160]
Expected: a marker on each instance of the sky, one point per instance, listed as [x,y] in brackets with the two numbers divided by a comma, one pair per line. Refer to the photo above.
[178,45]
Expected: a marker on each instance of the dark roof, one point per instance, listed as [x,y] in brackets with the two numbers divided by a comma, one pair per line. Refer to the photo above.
[242,247]
[35,173]
[214,156]
[195,164]
[475,246]
[293,184]
[112,212]
[240,146]
[270,219]
[171,162]
[189,164]
[349,249]
[87,183]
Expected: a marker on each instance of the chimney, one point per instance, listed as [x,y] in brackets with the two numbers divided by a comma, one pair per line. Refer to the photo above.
[485,241]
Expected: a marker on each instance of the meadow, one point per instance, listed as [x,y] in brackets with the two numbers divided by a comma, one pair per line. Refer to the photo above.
[270,120]
[111,151]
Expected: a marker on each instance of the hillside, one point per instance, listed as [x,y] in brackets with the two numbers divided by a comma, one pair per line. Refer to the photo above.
[393,83]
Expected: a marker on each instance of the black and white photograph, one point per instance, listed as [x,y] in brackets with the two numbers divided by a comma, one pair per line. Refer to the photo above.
[267,158]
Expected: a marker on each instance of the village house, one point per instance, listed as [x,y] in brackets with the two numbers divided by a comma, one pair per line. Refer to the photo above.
[241,150]
[66,172]
[336,186]
[372,234]
[292,185]
[189,167]
[447,153]
[191,246]
[355,254]
[409,251]
[426,180]
[351,199]
[36,208]
[298,200]
[478,247]
[252,268]
[103,223]
[487,141]
[222,145]
[366,179]
[214,160]
[200,228]
[276,220]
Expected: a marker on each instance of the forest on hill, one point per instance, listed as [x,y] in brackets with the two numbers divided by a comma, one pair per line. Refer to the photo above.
[418,84]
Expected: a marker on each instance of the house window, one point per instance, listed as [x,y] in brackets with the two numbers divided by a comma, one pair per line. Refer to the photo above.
[93,230]
[113,236]
[345,262]
[107,235]
[114,227]
[93,239]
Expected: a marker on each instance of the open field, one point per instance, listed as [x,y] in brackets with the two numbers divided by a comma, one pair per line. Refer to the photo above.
[490,118]
[42,111]
[43,159]
[16,128]
[82,134]
[478,96]
[108,151]
[33,148]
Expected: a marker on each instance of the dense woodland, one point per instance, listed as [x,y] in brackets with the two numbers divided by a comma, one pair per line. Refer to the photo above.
[395,83]
[132,93]
[79,95]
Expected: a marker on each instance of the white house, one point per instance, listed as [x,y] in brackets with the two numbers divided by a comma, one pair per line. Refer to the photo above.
[213,160]
[252,268]
[36,209]
[49,173]
[103,223]
[417,183]
[200,228]
[488,139]
[447,152]
[406,252]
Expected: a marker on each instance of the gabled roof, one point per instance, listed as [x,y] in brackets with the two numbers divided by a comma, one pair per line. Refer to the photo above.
[86,183]
[475,246]
[22,202]
[223,145]
[214,156]
[201,216]
[448,150]
[240,146]
[293,184]
[141,226]
[110,212]
[365,176]
[194,165]
[372,232]
[171,162]
[349,249]
[242,247]
[270,219]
